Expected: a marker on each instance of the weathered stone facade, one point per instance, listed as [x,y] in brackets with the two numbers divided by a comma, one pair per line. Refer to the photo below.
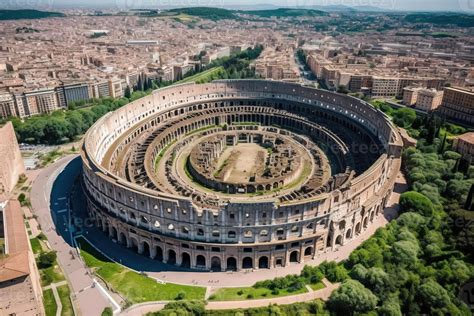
[137,200]
[11,162]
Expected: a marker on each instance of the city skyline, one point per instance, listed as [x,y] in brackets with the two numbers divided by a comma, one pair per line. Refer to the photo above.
[466,6]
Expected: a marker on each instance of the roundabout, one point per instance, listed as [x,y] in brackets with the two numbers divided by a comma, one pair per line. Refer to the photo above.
[239,174]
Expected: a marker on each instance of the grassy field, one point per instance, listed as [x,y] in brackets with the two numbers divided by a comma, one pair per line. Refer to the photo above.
[135,287]
[317,286]
[246,293]
[49,303]
[36,245]
[51,275]
[205,76]
[63,292]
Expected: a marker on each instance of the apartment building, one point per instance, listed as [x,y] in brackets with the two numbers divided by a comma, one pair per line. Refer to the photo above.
[7,105]
[428,99]
[458,104]
[464,144]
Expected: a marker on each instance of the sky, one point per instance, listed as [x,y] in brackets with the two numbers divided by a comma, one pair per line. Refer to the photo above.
[403,5]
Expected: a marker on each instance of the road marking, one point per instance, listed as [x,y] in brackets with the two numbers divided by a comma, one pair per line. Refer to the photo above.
[62,198]
[62,211]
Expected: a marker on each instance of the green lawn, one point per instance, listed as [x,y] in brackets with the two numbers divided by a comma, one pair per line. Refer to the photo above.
[245,293]
[205,76]
[49,303]
[51,275]
[135,287]
[317,286]
[63,292]
[36,245]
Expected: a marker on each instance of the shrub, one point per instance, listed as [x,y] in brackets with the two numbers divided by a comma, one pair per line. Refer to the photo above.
[46,259]
[416,202]
[107,312]
[181,295]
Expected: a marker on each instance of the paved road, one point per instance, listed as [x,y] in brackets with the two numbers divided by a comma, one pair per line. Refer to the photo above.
[49,199]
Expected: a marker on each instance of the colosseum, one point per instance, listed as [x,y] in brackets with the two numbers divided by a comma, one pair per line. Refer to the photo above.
[239,174]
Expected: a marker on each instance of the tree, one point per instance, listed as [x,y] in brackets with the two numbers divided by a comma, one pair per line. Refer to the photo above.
[107,312]
[195,308]
[412,201]
[405,253]
[390,307]
[351,297]
[404,117]
[46,259]
[433,295]
[128,92]
[342,89]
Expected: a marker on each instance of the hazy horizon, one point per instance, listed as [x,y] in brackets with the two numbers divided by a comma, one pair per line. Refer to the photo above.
[466,6]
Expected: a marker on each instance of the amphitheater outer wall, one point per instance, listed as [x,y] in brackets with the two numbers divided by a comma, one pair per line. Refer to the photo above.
[238,235]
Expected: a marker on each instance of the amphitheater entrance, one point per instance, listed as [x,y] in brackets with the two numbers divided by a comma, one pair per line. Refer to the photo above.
[348,233]
[216,264]
[308,252]
[114,233]
[200,261]
[294,256]
[185,260]
[358,228]
[339,240]
[231,264]
[145,249]
[171,257]
[247,263]
[122,239]
[159,253]
[134,244]
[263,262]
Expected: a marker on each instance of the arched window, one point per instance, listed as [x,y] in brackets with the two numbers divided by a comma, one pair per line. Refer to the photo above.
[264,233]
[248,233]
[157,224]
[171,227]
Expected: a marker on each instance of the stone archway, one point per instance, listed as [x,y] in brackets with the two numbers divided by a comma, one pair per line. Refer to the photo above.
[216,264]
[122,239]
[294,256]
[339,240]
[200,261]
[171,256]
[358,228]
[263,262]
[145,249]
[134,244]
[114,233]
[231,264]
[159,253]
[247,263]
[308,251]
[348,233]
[185,260]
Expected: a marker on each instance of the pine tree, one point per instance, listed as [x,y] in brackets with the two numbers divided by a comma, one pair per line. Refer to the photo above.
[468,205]
[443,144]
[128,92]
